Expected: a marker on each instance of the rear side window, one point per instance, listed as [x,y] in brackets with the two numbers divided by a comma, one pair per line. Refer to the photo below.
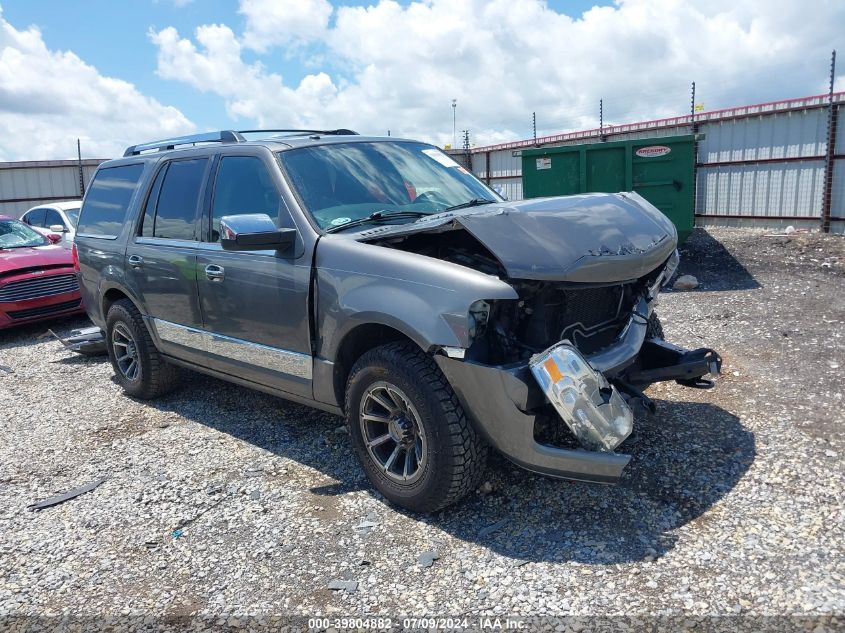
[105,207]
[171,211]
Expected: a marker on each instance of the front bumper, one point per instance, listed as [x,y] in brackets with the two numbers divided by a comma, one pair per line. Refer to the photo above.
[505,401]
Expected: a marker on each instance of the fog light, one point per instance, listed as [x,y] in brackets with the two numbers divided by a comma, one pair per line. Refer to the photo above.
[590,406]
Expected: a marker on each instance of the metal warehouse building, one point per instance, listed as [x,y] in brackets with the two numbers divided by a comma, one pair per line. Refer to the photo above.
[767,164]
[26,184]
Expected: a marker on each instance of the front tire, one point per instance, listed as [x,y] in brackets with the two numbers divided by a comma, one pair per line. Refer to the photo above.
[409,431]
[138,366]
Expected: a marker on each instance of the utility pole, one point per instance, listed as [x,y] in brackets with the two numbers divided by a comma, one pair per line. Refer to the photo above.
[831,143]
[534,122]
[454,124]
[79,164]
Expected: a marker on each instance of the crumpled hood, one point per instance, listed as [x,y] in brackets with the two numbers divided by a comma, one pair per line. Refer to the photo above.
[16,258]
[585,238]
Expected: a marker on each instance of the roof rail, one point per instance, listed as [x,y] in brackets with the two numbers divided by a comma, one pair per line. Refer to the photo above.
[224,136]
[338,132]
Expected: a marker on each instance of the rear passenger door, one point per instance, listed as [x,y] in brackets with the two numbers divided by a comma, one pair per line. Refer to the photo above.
[161,258]
[254,304]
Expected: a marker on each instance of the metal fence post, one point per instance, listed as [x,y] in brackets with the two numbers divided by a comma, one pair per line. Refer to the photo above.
[827,195]
[81,175]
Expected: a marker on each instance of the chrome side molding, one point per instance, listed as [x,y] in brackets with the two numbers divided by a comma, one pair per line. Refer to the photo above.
[256,354]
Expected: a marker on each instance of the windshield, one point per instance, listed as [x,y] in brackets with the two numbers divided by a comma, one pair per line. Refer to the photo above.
[14,234]
[72,216]
[343,182]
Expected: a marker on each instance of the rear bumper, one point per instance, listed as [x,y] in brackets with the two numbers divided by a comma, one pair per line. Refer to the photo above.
[504,402]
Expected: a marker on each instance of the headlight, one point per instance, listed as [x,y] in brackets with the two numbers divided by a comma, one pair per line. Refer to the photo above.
[479,312]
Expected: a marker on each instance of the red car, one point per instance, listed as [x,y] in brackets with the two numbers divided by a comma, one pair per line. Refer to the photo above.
[37,277]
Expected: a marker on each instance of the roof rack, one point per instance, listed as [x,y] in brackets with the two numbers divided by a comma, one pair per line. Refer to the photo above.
[224,136]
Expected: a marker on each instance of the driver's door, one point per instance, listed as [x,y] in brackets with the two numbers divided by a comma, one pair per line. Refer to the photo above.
[254,304]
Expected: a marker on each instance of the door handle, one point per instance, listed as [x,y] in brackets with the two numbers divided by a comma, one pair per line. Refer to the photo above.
[136,261]
[215,272]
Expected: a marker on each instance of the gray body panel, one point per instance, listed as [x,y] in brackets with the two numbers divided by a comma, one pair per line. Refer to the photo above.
[588,238]
[426,299]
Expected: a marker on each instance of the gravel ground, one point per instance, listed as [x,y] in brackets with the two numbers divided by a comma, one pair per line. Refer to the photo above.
[225,502]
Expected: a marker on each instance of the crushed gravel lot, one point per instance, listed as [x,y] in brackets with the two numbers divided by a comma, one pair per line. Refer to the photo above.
[224,501]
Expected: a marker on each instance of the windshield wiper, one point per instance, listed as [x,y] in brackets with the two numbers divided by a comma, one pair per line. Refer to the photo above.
[377,216]
[469,203]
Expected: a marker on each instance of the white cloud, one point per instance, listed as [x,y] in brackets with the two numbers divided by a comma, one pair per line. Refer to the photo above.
[272,22]
[502,59]
[48,99]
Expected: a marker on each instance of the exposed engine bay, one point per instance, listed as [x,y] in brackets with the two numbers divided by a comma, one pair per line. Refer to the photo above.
[591,316]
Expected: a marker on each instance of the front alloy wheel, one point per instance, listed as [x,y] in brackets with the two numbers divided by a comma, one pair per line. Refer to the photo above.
[409,431]
[392,431]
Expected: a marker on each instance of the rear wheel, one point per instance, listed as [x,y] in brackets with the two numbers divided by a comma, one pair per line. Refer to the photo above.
[411,435]
[138,366]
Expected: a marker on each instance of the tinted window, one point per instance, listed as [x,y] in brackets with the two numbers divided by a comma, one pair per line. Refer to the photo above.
[176,211]
[72,216]
[150,208]
[244,185]
[35,217]
[104,210]
[52,218]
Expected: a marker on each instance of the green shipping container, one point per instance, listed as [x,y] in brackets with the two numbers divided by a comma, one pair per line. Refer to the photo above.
[661,170]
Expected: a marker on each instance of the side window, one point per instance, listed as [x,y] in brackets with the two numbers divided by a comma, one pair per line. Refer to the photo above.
[243,185]
[107,201]
[176,201]
[52,218]
[35,217]
[150,208]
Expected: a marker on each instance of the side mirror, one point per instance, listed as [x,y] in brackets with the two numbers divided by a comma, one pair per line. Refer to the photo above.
[253,232]
[54,238]
[58,228]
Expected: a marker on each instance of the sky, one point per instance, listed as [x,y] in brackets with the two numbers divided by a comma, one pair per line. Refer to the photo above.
[115,74]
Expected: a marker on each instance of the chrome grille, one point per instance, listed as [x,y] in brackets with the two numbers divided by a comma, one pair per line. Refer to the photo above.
[38,287]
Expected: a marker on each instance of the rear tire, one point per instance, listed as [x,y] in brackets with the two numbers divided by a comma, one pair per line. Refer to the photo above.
[409,431]
[138,366]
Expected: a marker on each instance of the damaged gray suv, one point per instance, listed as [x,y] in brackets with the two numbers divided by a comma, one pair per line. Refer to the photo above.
[378,279]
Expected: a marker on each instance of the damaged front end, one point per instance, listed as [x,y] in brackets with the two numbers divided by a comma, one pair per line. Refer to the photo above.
[561,404]
[550,377]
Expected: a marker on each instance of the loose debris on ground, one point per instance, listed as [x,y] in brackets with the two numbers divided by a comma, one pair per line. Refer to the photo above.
[222,501]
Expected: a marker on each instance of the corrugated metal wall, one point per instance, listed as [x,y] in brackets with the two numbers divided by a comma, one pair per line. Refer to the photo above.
[764,166]
[28,184]
[756,162]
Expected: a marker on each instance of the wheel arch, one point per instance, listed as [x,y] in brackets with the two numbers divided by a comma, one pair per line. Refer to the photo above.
[357,342]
